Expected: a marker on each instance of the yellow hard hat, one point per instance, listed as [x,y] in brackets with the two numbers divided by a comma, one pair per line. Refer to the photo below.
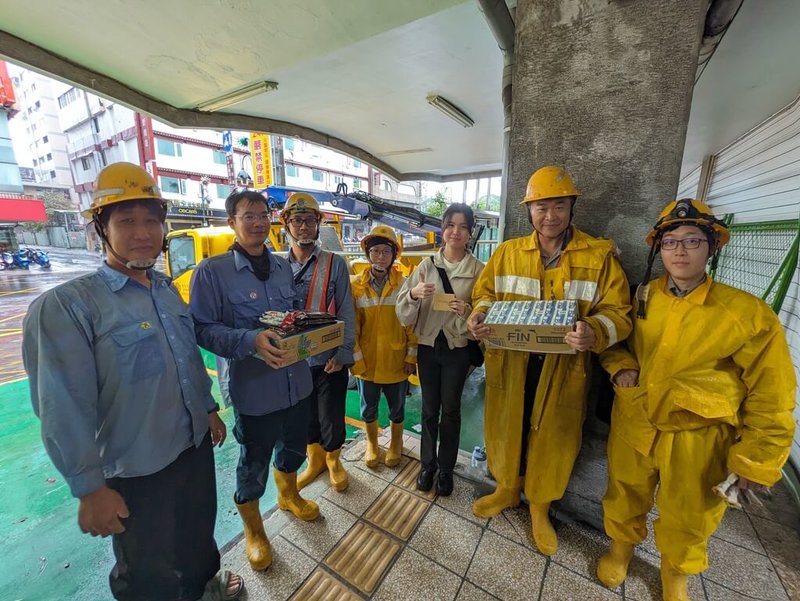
[120,182]
[549,182]
[688,211]
[300,202]
[385,232]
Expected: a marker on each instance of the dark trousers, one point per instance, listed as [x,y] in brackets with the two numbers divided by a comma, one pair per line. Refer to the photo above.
[284,432]
[327,400]
[371,395]
[442,373]
[168,552]
[532,377]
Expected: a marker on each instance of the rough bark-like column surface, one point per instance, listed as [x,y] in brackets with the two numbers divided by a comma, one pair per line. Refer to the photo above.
[604,87]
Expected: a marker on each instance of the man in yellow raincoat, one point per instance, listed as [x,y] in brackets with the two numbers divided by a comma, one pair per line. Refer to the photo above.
[535,404]
[386,351]
[704,388]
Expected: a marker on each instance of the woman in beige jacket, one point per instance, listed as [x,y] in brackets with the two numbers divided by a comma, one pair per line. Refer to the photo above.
[443,359]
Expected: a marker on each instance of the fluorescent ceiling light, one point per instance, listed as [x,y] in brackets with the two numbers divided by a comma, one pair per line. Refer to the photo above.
[237,96]
[451,110]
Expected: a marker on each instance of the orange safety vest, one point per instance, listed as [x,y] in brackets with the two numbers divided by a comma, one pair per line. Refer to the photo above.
[318,291]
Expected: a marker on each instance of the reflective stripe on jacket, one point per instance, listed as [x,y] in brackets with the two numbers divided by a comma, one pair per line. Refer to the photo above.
[318,290]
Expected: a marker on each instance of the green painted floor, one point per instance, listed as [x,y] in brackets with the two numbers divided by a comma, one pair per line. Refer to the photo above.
[45,555]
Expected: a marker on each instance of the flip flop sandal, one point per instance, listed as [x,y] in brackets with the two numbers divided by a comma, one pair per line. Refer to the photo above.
[217,587]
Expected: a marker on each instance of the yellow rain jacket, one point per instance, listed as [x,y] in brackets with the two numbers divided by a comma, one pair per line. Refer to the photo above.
[383,345]
[716,393]
[590,273]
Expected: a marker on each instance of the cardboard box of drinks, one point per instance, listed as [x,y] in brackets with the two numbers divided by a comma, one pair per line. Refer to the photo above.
[532,326]
[313,341]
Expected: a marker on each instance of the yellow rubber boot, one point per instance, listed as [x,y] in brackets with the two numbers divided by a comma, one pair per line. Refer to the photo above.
[612,569]
[338,477]
[316,465]
[257,547]
[395,451]
[372,454]
[491,505]
[674,584]
[543,533]
[289,498]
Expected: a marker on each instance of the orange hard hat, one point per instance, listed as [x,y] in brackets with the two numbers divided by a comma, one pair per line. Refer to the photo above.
[549,182]
[384,232]
[120,182]
[688,211]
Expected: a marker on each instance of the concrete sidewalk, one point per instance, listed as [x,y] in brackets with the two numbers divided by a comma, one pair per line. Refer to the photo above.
[382,539]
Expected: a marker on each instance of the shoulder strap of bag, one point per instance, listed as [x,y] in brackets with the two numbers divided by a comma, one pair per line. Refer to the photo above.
[299,276]
[445,280]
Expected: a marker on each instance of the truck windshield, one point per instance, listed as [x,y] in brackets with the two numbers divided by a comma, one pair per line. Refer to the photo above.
[181,255]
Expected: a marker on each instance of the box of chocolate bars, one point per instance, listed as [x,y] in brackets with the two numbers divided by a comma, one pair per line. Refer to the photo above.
[310,342]
[304,334]
[532,326]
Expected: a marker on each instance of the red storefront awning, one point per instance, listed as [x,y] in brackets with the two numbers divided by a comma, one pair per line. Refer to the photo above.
[21,209]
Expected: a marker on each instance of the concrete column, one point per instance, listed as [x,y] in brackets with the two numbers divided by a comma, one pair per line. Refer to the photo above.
[604,87]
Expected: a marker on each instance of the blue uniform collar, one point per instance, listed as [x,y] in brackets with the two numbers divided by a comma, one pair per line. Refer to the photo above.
[116,280]
[241,262]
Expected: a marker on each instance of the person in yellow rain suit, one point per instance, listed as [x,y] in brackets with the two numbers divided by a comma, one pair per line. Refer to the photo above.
[386,351]
[704,387]
[535,404]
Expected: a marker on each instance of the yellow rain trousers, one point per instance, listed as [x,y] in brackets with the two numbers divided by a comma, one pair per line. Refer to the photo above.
[590,273]
[383,344]
[716,393]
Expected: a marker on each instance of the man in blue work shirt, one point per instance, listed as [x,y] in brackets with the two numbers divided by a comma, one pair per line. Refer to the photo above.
[323,284]
[125,403]
[228,294]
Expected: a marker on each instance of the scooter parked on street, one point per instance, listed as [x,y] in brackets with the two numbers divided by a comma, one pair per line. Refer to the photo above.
[16,260]
[38,256]
[6,260]
[21,260]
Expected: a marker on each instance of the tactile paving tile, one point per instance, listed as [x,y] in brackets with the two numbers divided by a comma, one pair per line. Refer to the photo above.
[321,586]
[397,511]
[407,479]
[363,556]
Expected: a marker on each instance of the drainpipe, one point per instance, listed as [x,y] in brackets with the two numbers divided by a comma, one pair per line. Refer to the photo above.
[500,21]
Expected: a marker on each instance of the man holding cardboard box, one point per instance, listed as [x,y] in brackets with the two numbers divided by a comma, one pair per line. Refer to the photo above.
[535,403]
[323,284]
[229,293]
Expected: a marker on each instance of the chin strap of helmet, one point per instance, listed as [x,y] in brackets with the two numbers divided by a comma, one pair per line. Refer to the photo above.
[304,241]
[643,287]
[379,269]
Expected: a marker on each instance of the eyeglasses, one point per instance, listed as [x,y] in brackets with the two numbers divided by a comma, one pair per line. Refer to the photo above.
[379,252]
[299,221]
[688,243]
[251,218]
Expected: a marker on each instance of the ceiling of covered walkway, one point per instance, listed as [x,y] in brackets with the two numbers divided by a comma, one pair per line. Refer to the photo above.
[355,75]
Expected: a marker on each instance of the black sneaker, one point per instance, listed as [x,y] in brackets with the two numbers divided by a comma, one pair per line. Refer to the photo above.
[425,479]
[444,484]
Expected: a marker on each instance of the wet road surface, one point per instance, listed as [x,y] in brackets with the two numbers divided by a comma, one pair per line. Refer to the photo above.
[19,287]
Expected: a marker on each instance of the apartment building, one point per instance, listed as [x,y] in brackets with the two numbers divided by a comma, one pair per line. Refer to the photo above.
[40,143]
[71,134]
